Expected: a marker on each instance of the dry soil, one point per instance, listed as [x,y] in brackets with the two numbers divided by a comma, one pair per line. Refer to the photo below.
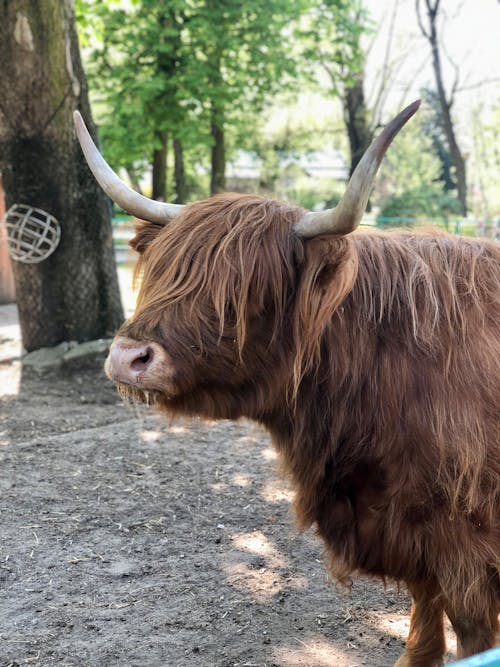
[127,540]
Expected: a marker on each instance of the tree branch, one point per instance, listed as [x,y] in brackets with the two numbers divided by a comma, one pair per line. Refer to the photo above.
[432,10]
[386,74]
[420,22]
[478,84]
[330,72]
[409,82]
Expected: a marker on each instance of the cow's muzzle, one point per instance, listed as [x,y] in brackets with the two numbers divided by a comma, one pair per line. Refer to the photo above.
[141,364]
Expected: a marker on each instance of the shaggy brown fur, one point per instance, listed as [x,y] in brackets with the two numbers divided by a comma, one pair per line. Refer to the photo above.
[374,361]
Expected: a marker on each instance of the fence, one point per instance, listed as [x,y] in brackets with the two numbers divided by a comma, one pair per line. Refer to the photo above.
[123,229]
[123,232]
[479,227]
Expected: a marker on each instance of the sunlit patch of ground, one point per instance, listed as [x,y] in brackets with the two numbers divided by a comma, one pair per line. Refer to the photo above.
[315,650]
[125,273]
[277,492]
[176,430]
[239,479]
[10,377]
[150,435]
[396,626]
[10,351]
[257,568]
[269,454]
[257,543]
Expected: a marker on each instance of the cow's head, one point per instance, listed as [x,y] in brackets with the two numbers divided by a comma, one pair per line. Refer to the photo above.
[234,290]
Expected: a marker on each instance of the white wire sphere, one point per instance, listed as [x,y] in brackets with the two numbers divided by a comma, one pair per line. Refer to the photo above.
[32,234]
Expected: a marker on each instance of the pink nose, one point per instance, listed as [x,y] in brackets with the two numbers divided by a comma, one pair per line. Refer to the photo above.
[131,362]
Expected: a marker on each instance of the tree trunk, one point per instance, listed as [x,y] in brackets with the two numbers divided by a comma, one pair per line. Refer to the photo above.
[445,104]
[134,181]
[218,161]
[218,173]
[434,128]
[449,129]
[159,182]
[73,294]
[356,122]
[179,173]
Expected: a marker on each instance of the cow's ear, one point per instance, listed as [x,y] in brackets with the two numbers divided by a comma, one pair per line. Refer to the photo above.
[328,275]
[331,269]
[145,233]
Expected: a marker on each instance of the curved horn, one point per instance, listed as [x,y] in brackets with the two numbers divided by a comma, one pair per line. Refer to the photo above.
[346,216]
[129,200]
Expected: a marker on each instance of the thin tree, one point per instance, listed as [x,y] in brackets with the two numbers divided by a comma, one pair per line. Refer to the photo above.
[243,57]
[428,24]
[143,69]
[73,294]
[338,46]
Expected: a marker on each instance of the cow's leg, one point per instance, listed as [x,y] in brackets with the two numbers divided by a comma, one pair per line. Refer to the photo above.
[475,632]
[425,646]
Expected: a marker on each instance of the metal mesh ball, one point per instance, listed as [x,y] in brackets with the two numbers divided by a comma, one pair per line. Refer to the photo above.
[33,234]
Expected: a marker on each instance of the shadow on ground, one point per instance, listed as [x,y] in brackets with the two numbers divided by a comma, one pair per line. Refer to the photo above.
[128,540]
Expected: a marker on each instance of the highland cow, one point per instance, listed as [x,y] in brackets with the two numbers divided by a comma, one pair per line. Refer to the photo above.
[373,359]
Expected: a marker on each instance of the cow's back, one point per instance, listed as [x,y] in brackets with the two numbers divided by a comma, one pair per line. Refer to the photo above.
[404,419]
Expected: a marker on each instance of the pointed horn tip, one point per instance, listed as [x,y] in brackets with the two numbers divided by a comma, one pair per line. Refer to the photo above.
[414,106]
[306,228]
[411,109]
[77,118]
[81,130]
[384,139]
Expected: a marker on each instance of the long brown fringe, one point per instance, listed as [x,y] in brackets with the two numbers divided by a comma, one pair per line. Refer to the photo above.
[387,344]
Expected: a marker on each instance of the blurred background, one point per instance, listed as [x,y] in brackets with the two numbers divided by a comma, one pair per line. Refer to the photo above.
[188,98]
[282,97]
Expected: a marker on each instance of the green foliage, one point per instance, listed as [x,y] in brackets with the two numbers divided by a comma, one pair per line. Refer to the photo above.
[409,183]
[137,66]
[330,37]
[432,125]
[281,135]
[178,67]
[186,68]
[420,203]
[484,163]
[410,163]
[238,50]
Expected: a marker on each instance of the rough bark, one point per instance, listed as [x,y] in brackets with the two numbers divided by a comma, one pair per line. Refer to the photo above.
[159,174]
[180,173]
[431,34]
[433,126]
[73,294]
[218,154]
[356,121]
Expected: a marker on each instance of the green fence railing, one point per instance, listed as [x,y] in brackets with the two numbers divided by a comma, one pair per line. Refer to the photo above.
[486,228]
[123,229]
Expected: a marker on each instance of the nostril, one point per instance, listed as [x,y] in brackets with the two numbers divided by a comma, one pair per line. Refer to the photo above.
[136,363]
[142,360]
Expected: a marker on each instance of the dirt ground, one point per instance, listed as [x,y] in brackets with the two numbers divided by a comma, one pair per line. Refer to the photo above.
[127,540]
